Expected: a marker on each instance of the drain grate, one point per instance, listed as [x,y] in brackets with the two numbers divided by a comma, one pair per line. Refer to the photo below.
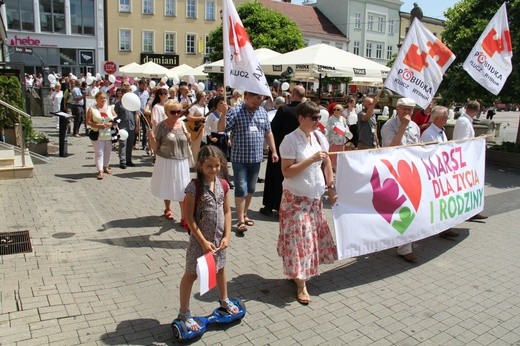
[15,242]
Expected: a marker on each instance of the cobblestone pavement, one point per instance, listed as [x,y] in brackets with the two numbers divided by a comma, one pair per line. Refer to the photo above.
[105,270]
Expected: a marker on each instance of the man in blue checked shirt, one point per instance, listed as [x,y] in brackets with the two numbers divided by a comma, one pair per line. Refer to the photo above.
[249,126]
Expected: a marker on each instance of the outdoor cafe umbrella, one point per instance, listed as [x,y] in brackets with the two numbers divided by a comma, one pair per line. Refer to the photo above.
[128,67]
[261,54]
[149,70]
[322,60]
[181,69]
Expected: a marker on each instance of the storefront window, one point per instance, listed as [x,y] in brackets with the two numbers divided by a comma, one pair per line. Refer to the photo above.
[52,15]
[67,56]
[82,17]
[20,15]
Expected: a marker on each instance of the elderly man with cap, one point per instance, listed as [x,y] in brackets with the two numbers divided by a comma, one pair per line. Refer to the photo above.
[401,130]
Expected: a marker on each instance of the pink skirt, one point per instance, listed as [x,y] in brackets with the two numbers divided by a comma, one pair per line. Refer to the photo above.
[305,239]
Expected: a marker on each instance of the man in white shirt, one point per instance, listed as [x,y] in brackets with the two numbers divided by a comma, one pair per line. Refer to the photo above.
[464,130]
[435,132]
[401,130]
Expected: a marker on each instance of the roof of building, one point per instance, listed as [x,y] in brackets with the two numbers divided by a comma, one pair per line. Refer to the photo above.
[431,20]
[311,21]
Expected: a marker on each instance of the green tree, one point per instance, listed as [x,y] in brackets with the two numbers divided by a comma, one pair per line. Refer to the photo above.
[266,29]
[466,21]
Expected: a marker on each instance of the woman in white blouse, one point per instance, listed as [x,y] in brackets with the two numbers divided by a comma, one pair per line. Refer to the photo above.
[305,239]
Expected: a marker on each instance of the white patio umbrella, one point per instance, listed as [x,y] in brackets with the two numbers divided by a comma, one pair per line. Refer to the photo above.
[322,60]
[149,70]
[179,70]
[128,67]
[197,72]
[261,54]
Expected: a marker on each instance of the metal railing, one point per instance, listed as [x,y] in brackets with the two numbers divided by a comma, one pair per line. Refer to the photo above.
[20,128]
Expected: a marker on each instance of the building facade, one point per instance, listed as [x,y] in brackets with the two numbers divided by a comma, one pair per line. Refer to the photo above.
[65,36]
[371,26]
[168,32]
[436,26]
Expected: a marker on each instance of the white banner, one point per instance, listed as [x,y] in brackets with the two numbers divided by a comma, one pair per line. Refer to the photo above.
[241,67]
[392,196]
[489,62]
[420,65]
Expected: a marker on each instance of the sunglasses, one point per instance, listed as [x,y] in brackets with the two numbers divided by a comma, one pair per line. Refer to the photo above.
[337,109]
[175,112]
[314,117]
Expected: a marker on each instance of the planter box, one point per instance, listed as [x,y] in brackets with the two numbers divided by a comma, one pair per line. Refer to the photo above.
[503,158]
[39,148]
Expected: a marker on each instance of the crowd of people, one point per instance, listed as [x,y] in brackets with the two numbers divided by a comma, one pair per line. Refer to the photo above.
[189,129]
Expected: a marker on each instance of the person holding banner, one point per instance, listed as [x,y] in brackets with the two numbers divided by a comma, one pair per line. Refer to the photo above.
[208,215]
[305,240]
[464,130]
[401,130]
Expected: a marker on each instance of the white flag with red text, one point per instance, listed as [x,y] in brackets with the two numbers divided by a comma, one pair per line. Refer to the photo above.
[420,65]
[241,67]
[489,62]
[207,272]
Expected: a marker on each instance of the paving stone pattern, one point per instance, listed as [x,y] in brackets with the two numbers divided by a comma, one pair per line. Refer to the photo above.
[105,270]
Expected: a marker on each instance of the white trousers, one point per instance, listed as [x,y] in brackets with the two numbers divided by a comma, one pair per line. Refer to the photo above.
[102,150]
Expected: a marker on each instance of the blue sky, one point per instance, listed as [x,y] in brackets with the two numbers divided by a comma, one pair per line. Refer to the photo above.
[431,8]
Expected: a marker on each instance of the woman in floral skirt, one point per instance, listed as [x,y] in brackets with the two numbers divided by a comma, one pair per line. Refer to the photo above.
[305,239]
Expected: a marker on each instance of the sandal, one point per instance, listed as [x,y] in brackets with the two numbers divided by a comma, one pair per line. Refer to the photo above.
[100,175]
[248,221]
[190,323]
[302,296]
[241,227]
[229,307]
[107,170]
[168,214]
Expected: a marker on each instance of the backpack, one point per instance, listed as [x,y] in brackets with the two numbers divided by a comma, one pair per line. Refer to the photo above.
[198,195]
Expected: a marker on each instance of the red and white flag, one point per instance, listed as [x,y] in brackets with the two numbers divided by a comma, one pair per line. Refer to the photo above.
[420,65]
[321,126]
[207,272]
[489,62]
[340,129]
[241,67]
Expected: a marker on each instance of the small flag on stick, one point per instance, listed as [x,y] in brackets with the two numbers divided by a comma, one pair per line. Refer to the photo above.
[207,272]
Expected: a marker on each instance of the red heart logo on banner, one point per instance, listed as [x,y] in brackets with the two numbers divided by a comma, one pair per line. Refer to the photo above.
[408,178]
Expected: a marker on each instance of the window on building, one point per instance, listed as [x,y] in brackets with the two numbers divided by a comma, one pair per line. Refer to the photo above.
[82,17]
[210,9]
[357,21]
[191,9]
[169,8]
[325,42]
[125,5]
[125,40]
[20,15]
[368,52]
[191,40]
[148,41]
[391,27]
[208,48]
[306,42]
[389,52]
[356,47]
[169,42]
[370,22]
[379,51]
[380,24]
[52,16]
[147,6]
[339,45]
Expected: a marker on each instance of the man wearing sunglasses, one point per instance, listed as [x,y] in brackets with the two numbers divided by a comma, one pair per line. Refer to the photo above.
[249,126]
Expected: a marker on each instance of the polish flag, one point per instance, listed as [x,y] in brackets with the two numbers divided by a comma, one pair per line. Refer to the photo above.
[489,62]
[340,129]
[241,67]
[321,126]
[207,272]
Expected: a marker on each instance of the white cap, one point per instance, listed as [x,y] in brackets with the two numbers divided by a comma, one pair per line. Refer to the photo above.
[405,102]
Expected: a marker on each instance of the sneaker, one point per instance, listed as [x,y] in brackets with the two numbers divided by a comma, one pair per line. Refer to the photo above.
[122,166]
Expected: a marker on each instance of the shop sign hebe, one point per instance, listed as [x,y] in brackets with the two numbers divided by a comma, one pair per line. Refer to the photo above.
[110,67]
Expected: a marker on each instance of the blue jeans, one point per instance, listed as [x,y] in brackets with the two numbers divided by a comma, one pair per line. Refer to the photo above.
[245,176]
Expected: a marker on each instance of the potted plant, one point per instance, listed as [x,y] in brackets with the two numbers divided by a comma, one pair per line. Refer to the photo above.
[507,154]
[37,142]
[11,93]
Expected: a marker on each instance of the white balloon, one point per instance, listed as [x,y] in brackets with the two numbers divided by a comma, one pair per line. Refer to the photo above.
[90,80]
[285,86]
[51,78]
[112,78]
[202,86]
[133,88]
[191,79]
[176,80]
[131,102]
[123,134]
[164,79]
[152,84]
[98,76]
[89,74]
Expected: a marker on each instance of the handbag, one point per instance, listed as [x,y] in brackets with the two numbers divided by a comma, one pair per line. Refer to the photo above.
[93,135]
[191,159]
